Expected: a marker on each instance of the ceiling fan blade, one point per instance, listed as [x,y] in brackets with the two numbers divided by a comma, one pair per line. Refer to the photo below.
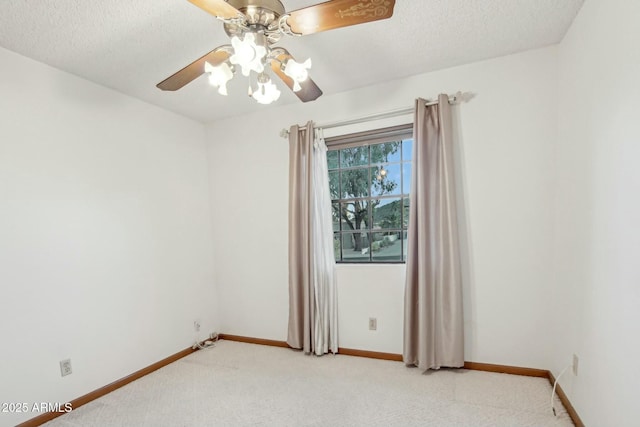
[218,8]
[193,70]
[337,14]
[309,92]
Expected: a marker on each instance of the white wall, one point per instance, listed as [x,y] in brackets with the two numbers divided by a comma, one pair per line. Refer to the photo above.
[105,234]
[506,136]
[597,290]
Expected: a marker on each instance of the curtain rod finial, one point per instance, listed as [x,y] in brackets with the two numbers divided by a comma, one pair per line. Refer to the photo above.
[284,133]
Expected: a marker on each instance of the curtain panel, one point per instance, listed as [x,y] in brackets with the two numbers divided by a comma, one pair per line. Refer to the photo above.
[312,291]
[433,318]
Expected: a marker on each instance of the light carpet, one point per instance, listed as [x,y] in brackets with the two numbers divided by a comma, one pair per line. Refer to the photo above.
[237,384]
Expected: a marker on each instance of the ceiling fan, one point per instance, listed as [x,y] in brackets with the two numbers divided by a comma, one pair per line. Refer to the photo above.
[254,26]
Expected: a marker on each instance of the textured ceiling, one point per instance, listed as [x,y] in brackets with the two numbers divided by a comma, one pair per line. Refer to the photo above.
[132,45]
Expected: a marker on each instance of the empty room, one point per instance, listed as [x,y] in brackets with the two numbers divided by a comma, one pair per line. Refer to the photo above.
[305,213]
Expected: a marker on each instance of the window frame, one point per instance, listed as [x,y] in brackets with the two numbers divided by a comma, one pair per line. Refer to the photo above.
[368,139]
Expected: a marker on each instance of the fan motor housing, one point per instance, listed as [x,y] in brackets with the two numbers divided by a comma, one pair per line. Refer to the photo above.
[258,13]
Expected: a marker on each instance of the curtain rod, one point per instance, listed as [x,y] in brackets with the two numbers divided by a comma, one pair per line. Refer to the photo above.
[453,99]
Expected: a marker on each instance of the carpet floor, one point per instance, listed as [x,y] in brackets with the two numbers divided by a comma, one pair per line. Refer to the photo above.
[237,384]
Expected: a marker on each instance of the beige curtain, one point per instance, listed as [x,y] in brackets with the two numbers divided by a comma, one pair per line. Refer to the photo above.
[433,318]
[300,295]
[312,292]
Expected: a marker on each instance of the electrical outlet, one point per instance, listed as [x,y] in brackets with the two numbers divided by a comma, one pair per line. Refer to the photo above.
[196,325]
[575,365]
[373,324]
[65,367]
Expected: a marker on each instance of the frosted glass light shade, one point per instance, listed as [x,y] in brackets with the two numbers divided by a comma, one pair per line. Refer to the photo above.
[248,54]
[266,93]
[219,76]
[298,72]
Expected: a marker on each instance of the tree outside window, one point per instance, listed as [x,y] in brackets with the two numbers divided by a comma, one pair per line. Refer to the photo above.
[370,187]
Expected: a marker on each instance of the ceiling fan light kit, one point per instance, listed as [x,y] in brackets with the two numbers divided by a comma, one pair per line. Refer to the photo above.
[254,26]
[219,76]
[298,72]
[267,91]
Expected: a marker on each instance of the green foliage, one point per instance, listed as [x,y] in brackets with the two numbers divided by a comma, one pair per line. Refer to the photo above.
[389,215]
[359,181]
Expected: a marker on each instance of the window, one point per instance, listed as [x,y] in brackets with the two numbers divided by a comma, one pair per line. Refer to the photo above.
[369,180]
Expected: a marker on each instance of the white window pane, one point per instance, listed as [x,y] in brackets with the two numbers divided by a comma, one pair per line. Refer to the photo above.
[386,152]
[332,159]
[356,156]
[387,213]
[355,183]
[387,247]
[355,247]
[407,150]
[406,178]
